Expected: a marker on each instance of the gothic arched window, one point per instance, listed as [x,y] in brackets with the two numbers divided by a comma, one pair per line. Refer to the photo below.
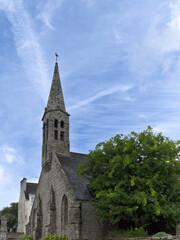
[62,136]
[64,214]
[55,123]
[55,134]
[62,124]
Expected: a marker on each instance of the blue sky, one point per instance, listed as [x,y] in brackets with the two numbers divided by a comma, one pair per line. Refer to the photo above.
[119,64]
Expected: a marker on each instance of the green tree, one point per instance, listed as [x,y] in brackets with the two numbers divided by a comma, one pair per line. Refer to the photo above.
[135,177]
[11,213]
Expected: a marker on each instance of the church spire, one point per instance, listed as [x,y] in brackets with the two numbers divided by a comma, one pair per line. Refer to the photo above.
[55,123]
[56,100]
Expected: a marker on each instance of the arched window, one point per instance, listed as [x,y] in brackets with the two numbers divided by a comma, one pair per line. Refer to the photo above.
[64,214]
[62,136]
[62,124]
[55,134]
[55,123]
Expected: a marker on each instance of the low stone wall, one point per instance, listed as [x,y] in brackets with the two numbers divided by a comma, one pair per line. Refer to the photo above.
[3,235]
[13,236]
[9,235]
[139,238]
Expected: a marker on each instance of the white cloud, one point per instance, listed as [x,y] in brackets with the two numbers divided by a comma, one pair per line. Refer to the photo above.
[27,44]
[118,37]
[168,128]
[154,48]
[130,99]
[121,88]
[175,11]
[4,178]
[89,3]
[46,11]
[166,38]
[32,180]
[9,158]
[10,155]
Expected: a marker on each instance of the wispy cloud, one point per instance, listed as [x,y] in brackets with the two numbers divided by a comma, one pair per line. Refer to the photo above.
[118,36]
[27,44]
[10,155]
[46,11]
[130,99]
[154,48]
[33,180]
[168,128]
[166,38]
[4,178]
[107,92]
[89,3]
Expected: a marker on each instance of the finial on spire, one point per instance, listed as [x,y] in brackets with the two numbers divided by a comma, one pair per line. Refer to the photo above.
[56,56]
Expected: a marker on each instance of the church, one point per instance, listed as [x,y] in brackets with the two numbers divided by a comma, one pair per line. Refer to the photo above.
[61,204]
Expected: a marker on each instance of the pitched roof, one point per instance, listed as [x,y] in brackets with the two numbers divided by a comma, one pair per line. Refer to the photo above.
[30,189]
[78,182]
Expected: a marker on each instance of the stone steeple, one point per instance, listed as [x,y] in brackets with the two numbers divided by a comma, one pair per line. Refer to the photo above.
[56,100]
[55,123]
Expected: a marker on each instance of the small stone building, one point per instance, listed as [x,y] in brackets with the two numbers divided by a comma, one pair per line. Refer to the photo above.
[26,199]
[61,203]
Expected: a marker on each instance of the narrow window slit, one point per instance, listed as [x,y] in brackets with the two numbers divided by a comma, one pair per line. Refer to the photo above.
[62,124]
[55,134]
[62,136]
[55,123]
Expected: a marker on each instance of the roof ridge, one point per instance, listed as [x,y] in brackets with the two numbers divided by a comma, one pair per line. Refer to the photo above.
[32,183]
[79,153]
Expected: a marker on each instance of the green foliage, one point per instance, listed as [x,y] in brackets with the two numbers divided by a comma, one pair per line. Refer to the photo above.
[137,232]
[11,213]
[135,177]
[162,234]
[25,237]
[50,236]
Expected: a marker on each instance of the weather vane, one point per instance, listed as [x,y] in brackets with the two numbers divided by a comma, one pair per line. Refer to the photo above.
[56,56]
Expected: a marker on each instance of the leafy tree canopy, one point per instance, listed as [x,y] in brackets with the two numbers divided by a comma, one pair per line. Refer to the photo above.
[135,177]
[11,213]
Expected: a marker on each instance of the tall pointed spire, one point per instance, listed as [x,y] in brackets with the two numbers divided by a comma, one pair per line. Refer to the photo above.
[56,100]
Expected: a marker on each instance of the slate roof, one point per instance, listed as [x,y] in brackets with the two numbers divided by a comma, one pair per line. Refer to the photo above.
[30,189]
[78,182]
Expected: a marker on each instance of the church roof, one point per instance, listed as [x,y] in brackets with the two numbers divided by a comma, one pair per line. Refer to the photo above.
[78,182]
[30,189]
[56,99]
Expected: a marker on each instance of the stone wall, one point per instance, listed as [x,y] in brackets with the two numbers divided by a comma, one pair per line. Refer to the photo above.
[139,238]
[13,236]
[55,179]
[3,235]
[91,227]
[9,235]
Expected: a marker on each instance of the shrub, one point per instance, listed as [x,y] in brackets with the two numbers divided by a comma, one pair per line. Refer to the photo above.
[162,234]
[137,232]
[25,237]
[50,236]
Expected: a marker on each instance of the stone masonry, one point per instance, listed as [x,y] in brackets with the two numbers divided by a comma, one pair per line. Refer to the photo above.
[61,202]
[3,232]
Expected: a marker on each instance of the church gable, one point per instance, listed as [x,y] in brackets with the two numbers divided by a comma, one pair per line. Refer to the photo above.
[78,183]
[55,209]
